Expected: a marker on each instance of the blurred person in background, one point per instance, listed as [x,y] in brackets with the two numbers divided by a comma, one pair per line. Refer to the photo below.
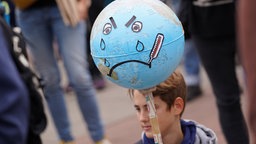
[106,2]
[41,24]
[191,60]
[98,79]
[247,49]
[212,26]
[192,70]
[14,99]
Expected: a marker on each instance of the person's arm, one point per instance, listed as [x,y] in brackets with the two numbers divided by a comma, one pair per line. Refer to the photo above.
[14,106]
[83,8]
[247,35]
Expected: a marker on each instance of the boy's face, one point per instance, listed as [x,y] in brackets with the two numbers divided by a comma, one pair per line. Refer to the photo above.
[168,119]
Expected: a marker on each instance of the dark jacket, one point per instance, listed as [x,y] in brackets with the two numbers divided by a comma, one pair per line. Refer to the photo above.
[193,133]
[207,19]
[14,102]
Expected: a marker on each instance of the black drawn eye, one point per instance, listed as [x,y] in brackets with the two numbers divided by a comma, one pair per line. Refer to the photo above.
[136,26]
[107,28]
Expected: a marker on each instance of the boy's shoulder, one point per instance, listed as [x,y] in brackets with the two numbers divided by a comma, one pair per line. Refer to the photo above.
[203,134]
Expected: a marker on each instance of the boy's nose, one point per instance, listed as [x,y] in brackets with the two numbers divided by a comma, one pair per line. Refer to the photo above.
[144,116]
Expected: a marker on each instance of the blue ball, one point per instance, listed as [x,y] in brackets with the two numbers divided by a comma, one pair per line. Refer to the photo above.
[137,44]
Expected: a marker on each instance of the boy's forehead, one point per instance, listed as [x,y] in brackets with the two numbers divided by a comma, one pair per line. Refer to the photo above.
[137,96]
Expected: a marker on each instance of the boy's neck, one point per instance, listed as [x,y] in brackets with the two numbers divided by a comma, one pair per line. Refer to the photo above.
[175,135]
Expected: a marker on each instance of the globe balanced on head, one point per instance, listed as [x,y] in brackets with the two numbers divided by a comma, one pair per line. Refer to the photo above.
[137,43]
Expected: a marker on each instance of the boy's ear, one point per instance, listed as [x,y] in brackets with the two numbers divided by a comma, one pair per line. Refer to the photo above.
[178,105]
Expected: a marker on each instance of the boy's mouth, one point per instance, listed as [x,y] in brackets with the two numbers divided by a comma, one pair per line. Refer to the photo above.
[146,128]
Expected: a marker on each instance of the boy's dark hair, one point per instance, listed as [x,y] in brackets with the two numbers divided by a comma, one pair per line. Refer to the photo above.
[17,48]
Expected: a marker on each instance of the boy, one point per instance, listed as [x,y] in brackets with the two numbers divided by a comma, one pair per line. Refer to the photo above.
[169,99]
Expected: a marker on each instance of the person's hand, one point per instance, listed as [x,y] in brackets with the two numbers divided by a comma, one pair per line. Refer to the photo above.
[83,8]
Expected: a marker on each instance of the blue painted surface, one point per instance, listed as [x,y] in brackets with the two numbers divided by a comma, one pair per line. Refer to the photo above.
[137,44]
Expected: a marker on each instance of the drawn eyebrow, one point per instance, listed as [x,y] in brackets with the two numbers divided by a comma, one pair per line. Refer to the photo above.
[130,21]
[113,22]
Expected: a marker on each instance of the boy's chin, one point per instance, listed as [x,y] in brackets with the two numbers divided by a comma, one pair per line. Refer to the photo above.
[149,134]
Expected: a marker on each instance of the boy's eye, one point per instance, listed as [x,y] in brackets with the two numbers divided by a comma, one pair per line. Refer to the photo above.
[137,109]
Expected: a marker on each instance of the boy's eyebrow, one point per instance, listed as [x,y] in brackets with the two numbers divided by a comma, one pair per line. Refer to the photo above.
[130,21]
[136,106]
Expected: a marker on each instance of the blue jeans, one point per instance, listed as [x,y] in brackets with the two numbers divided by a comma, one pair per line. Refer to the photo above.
[191,63]
[41,26]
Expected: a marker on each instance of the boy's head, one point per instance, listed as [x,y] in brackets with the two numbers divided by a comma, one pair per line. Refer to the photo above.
[170,89]
[169,99]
